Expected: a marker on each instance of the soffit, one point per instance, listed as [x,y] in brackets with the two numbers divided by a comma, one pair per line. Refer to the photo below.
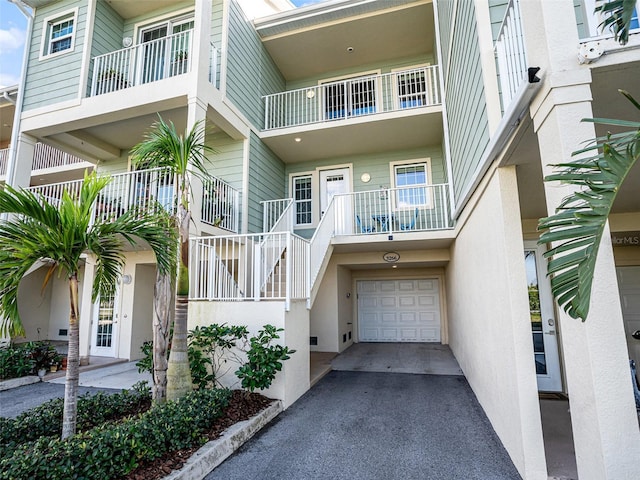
[404,31]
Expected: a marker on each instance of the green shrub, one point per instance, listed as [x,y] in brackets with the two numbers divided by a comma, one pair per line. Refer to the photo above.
[46,420]
[15,362]
[113,450]
[264,360]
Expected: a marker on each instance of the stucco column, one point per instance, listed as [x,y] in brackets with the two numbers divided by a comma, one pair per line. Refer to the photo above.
[20,174]
[605,426]
[86,310]
[196,112]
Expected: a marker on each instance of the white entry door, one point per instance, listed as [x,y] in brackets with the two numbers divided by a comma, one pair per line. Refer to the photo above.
[105,326]
[334,182]
[629,285]
[399,310]
[543,320]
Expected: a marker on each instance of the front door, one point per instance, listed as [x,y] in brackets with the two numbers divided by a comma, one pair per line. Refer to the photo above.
[105,323]
[543,321]
[335,182]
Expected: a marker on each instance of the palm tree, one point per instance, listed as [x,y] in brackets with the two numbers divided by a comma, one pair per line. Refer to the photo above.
[185,156]
[39,232]
[580,219]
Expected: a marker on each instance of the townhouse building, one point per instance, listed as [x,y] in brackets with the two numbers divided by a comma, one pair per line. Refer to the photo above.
[377,177]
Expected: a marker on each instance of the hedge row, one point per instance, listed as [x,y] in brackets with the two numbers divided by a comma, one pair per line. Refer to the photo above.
[45,420]
[111,451]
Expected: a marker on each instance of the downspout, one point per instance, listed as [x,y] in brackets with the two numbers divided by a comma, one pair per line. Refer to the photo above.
[8,98]
[15,131]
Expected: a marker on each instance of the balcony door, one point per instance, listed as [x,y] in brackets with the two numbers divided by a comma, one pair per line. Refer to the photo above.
[337,182]
[165,49]
[351,97]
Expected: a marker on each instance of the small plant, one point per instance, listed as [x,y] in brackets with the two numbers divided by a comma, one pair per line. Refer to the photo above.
[180,56]
[264,360]
[44,355]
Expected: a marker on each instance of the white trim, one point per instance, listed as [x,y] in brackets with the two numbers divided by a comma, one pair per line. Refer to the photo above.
[138,26]
[47,25]
[86,57]
[429,203]
[370,73]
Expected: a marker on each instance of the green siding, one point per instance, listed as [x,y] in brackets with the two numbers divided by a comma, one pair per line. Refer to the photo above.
[266,178]
[57,79]
[466,104]
[251,72]
[383,68]
[226,161]
[377,166]
[445,24]
[107,34]
[149,18]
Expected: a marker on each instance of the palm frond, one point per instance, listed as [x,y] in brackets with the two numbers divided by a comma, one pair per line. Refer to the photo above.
[617,17]
[576,229]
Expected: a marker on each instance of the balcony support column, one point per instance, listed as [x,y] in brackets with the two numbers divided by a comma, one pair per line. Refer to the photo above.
[20,174]
[196,112]
[603,416]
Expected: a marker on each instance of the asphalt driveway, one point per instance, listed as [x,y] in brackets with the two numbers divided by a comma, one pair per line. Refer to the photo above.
[358,425]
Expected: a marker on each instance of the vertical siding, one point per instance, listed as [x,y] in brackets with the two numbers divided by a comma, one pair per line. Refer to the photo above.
[266,178]
[466,104]
[250,71]
[107,34]
[56,79]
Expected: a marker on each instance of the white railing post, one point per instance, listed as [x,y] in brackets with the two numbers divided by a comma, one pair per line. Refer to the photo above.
[288,277]
[257,271]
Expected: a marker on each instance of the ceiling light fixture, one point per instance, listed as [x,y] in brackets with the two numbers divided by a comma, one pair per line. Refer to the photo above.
[349,49]
[298,139]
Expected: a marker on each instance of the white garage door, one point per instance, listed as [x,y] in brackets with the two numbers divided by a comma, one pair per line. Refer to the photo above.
[399,310]
[629,285]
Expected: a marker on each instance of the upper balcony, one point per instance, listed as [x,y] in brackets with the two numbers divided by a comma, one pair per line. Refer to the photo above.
[363,114]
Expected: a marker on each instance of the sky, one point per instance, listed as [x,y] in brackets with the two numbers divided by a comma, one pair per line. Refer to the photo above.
[13,27]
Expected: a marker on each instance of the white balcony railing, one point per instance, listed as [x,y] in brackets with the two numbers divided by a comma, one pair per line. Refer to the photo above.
[46,156]
[241,267]
[221,205]
[144,63]
[143,189]
[354,97]
[511,54]
[4,158]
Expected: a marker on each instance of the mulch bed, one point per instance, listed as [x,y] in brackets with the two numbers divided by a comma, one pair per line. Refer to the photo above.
[242,406]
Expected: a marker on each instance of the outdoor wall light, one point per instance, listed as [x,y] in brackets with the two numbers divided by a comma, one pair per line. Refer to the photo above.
[126,279]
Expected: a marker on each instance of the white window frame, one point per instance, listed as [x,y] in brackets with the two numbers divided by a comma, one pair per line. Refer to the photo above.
[312,179]
[396,93]
[426,162]
[47,30]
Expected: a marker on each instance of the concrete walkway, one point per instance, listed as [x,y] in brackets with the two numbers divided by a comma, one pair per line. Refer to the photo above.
[361,425]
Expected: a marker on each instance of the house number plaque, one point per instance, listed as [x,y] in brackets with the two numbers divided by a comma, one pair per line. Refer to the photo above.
[391,257]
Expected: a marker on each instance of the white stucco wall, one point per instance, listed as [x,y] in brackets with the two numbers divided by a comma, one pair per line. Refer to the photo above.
[489,325]
[33,306]
[293,380]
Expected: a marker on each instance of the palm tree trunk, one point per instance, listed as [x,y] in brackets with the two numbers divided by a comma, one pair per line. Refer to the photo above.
[73,363]
[178,371]
[161,323]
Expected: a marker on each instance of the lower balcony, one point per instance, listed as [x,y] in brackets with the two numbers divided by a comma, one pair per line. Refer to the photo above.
[145,189]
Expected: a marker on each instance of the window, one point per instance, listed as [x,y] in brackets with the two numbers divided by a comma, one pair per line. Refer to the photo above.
[59,33]
[406,176]
[302,199]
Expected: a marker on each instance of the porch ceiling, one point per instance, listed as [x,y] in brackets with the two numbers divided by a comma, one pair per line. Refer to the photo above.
[363,135]
[311,49]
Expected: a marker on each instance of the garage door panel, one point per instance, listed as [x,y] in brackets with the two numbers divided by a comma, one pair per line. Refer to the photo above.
[399,310]
[388,302]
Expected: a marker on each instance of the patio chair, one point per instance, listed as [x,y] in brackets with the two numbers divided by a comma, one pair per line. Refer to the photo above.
[364,228]
[410,225]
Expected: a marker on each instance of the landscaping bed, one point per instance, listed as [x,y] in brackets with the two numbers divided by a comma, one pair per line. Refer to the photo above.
[137,442]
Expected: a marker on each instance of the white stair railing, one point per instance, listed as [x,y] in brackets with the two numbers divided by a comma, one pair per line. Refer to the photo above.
[211,277]
[272,212]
